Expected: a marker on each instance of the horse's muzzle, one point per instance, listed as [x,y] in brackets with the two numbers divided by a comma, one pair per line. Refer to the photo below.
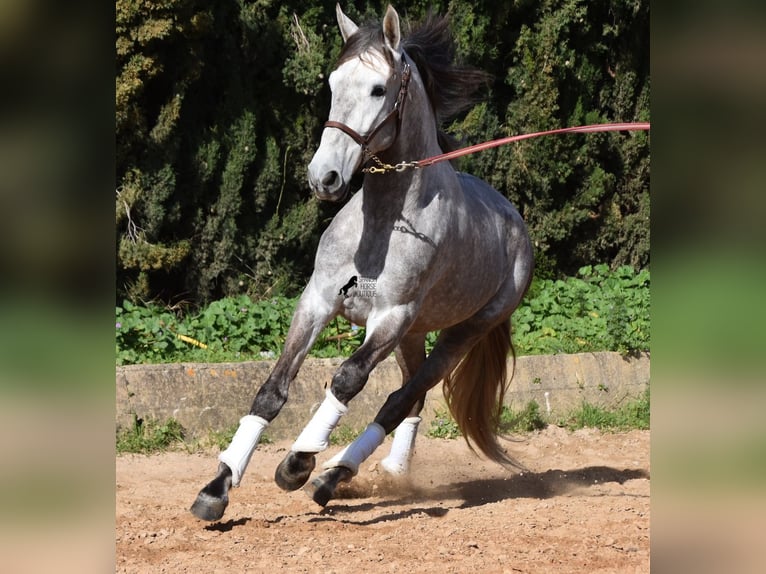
[328,186]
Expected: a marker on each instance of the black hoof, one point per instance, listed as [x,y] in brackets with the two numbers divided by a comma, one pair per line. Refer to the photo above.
[322,488]
[294,470]
[209,508]
[212,500]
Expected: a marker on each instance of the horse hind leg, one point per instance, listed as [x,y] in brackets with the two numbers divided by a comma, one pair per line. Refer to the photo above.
[397,463]
[345,465]
[347,382]
[322,489]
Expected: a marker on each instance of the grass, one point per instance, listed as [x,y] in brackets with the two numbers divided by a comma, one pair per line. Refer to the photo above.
[343,435]
[148,436]
[443,426]
[151,436]
[526,420]
[633,414]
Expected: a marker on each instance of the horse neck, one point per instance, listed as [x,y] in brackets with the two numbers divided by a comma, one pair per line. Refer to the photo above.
[417,139]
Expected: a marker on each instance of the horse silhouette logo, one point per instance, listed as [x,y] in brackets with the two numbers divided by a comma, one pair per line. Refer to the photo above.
[351,283]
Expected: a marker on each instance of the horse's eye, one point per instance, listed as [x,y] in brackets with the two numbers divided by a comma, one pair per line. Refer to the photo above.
[378,91]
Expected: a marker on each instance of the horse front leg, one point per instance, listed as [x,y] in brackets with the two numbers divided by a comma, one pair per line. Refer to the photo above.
[295,469]
[349,379]
[311,316]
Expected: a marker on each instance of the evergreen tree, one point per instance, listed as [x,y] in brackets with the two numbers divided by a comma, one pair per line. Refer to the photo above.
[219,108]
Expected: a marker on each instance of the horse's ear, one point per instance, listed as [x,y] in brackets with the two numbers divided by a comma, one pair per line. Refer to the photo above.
[391,30]
[347,27]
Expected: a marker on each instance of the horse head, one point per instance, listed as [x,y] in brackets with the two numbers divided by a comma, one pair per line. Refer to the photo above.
[368,90]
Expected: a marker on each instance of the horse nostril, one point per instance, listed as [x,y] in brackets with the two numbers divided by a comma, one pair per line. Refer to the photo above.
[330,179]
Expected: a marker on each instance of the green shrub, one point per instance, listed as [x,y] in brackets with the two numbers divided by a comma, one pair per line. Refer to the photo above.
[599,310]
[632,415]
[526,420]
[344,435]
[443,426]
[148,436]
[219,108]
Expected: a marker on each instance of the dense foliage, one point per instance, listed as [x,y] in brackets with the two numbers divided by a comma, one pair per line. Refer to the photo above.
[219,107]
[599,310]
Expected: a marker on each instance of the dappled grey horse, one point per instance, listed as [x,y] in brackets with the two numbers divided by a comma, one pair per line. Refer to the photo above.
[413,251]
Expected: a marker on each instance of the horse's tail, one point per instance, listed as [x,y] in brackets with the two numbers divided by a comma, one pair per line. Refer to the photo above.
[474,392]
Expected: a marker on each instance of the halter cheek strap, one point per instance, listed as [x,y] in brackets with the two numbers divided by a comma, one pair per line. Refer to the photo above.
[394,114]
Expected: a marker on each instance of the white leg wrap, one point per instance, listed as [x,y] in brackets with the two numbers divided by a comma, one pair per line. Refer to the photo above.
[359,450]
[243,445]
[398,460]
[316,436]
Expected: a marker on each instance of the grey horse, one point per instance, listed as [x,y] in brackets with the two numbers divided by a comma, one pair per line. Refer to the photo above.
[413,251]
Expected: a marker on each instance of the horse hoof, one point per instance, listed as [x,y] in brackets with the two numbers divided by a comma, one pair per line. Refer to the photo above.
[212,500]
[322,488]
[319,491]
[394,468]
[208,507]
[294,470]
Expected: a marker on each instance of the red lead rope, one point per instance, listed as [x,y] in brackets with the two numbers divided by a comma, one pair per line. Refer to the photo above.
[618,127]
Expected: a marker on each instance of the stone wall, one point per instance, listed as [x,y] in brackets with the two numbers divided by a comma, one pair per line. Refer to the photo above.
[205,397]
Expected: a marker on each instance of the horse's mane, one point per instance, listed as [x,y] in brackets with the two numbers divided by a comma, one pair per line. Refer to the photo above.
[451,86]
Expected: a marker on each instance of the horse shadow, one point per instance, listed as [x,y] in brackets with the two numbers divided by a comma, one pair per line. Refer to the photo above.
[226,526]
[475,493]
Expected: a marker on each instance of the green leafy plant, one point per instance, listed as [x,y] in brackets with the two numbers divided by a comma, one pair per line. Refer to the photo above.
[145,334]
[599,310]
[148,436]
[526,420]
[443,426]
[339,339]
[634,414]
[343,435]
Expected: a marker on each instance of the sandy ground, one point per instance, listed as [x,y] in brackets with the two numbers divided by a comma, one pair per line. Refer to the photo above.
[582,507]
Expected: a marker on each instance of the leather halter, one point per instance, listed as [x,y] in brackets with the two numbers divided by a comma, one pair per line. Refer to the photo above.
[394,114]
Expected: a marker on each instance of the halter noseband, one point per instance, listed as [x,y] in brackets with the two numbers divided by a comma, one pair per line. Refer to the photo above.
[394,114]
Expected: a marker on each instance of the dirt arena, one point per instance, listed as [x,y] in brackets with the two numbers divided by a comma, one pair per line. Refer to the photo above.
[583,507]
